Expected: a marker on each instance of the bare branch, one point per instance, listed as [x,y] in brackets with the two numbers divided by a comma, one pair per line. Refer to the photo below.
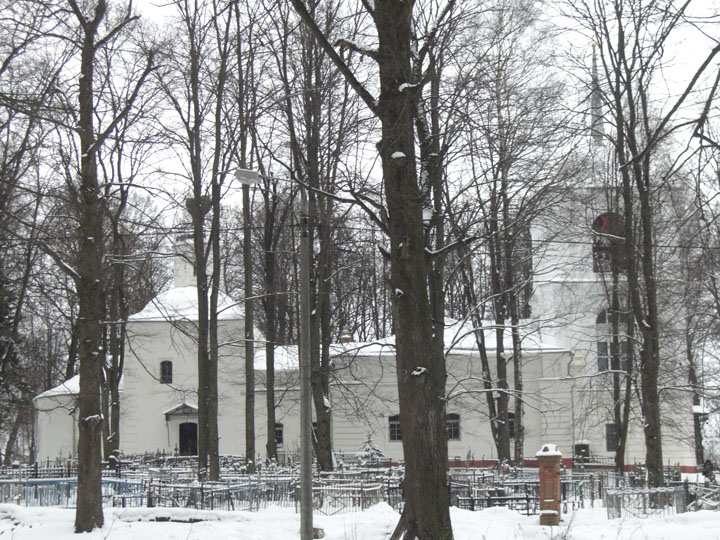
[332,53]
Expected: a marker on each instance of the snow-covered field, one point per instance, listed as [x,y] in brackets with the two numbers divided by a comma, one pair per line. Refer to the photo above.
[20,523]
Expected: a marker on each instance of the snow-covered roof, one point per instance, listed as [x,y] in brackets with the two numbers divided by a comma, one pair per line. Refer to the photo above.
[459,339]
[180,303]
[70,387]
[285,359]
[184,407]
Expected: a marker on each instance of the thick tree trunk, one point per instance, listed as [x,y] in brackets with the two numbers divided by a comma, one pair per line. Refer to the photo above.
[421,378]
[89,512]
[320,354]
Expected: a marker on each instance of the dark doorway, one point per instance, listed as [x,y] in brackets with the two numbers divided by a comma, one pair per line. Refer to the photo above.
[188,439]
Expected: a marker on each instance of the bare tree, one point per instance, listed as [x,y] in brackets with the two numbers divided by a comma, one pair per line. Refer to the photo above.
[631,37]
[89,514]
[421,374]
[196,86]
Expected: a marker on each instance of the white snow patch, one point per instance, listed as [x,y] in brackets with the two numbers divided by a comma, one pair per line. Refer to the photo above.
[375,523]
[180,303]
[398,155]
[548,450]
[420,370]
[406,86]
[68,388]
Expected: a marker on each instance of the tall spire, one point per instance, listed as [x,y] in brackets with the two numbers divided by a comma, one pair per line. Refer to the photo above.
[596,121]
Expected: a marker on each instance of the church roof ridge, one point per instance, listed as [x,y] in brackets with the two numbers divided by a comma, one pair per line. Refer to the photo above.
[180,303]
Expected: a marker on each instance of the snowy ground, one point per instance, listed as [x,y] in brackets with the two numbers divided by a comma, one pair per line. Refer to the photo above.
[20,523]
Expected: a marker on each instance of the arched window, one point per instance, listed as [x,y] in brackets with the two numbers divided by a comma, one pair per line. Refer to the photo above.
[613,349]
[279,434]
[609,243]
[394,427]
[166,372]
[453,426]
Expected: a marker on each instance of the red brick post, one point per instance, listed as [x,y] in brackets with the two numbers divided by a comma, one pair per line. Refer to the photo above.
[549,459]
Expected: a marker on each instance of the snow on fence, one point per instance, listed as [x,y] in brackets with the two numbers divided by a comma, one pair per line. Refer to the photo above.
[59,491]
[251,494]
[520,491]
[643,502]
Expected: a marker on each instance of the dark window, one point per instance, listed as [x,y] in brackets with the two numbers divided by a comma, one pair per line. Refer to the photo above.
[611,437]
[582,452]
[609,243]
[278,434]
[394,426]
[453,427]
[166,372]
[602,355]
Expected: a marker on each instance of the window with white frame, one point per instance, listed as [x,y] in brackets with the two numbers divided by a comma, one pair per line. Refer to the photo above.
[394,428]
[453,426]
[612,342]
[279,434]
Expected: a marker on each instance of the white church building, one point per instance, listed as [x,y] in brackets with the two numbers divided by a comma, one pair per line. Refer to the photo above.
[569,362]
[565,370]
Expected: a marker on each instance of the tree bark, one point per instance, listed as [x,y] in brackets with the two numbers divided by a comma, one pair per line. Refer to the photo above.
[421,397]
[89,512]
[421,377]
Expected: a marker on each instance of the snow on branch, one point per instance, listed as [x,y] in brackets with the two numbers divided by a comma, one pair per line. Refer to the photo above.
[346,44]
[55,256]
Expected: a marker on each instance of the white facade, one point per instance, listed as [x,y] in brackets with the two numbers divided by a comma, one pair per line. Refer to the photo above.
[568,399]
[56,421]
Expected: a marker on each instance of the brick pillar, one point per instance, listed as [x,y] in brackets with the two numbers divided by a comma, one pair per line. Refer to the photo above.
[549,459]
